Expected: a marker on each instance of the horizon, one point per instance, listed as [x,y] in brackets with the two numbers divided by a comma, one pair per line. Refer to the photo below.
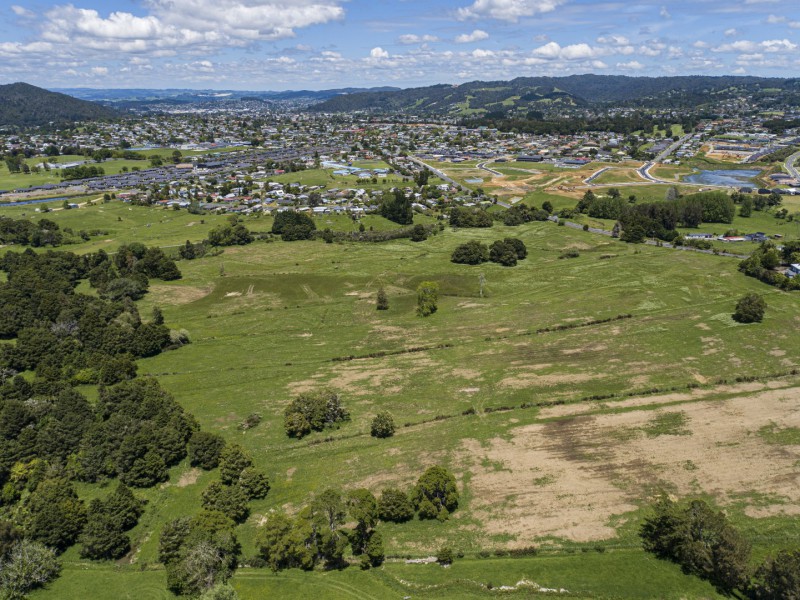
[345,86]
[246,45]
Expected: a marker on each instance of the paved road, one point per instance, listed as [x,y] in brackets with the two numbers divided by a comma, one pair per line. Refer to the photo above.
[437,172]
[674,146]
[596,174]
[492,171]
[790,165]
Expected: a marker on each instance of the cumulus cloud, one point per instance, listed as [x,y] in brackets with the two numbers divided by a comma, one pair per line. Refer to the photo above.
[476,36]
[251,19]
[747,46]
[732,32]
[633,65]
[378,52]
[175,24]
[507,10]
[553,50]
[99,71]
[18,49]
[775,19]
[664,13]
[411,38]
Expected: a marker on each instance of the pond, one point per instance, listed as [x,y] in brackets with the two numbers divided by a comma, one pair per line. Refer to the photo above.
[731,177]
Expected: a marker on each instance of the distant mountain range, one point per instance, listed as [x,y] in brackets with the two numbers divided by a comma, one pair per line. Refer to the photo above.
[538,93]
[23,105]
[133,97]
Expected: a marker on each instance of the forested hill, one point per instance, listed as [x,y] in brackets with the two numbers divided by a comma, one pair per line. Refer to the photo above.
[540,93]
[22,104]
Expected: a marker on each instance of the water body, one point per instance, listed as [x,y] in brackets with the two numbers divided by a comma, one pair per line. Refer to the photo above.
[732,177]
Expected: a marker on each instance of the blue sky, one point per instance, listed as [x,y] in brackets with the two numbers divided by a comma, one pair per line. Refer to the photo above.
[319,44]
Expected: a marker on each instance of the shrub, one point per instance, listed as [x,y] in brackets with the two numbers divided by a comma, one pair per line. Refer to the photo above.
[435,491]
[503,253]
[750,309]
[382,301]
[204,450]
[445,556]
[470,253]
[395,505]
[382,425]
[313,412]
[427,298]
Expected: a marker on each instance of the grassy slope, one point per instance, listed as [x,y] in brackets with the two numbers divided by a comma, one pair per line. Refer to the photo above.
[270,327]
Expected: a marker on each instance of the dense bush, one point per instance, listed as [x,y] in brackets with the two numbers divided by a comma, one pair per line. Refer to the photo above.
[469,217]
[313,412]
[750,309]
[436,494]
[230,235]
[470,253]
[699,539]
[382,425]
[205,449]
[397,208]
[395,505]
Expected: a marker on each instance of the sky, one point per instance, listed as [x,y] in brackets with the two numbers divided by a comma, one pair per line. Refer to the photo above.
[323,44]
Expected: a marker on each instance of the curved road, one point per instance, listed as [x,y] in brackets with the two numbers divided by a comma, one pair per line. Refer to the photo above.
[790,165]
[492,171]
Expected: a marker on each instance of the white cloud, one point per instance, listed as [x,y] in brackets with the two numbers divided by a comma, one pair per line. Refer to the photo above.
[476,36]
[732,32]
[174,24]
[664,13]
[507,10]
[378,52]
[18,49]
[99,71]
[761,1]
[411,38]
[479,53]
[613,40]
[747,46]
[633,65]
[700,44]
[553,50]
[249,19]
[775,19]
[21,11]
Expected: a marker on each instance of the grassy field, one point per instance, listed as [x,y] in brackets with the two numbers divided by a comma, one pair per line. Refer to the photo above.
[558,439]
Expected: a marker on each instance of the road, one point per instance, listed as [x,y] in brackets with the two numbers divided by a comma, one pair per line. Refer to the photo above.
[790,165]
[437,172]
[492,171]
[596,174]
[674,146]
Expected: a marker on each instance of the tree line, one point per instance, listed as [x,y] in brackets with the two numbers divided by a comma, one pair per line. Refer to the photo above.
[704,543]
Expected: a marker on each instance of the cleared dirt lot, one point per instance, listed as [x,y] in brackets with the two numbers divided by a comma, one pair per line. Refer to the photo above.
[568,477]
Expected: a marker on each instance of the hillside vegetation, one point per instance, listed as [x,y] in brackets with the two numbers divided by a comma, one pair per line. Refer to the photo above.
[537,93]
[562,393]
[22,104]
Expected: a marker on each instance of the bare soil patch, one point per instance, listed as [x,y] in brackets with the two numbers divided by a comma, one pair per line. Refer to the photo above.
[568,477]
[188,478]
[177,294]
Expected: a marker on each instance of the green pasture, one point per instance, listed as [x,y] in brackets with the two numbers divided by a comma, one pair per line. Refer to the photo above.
[271,320]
